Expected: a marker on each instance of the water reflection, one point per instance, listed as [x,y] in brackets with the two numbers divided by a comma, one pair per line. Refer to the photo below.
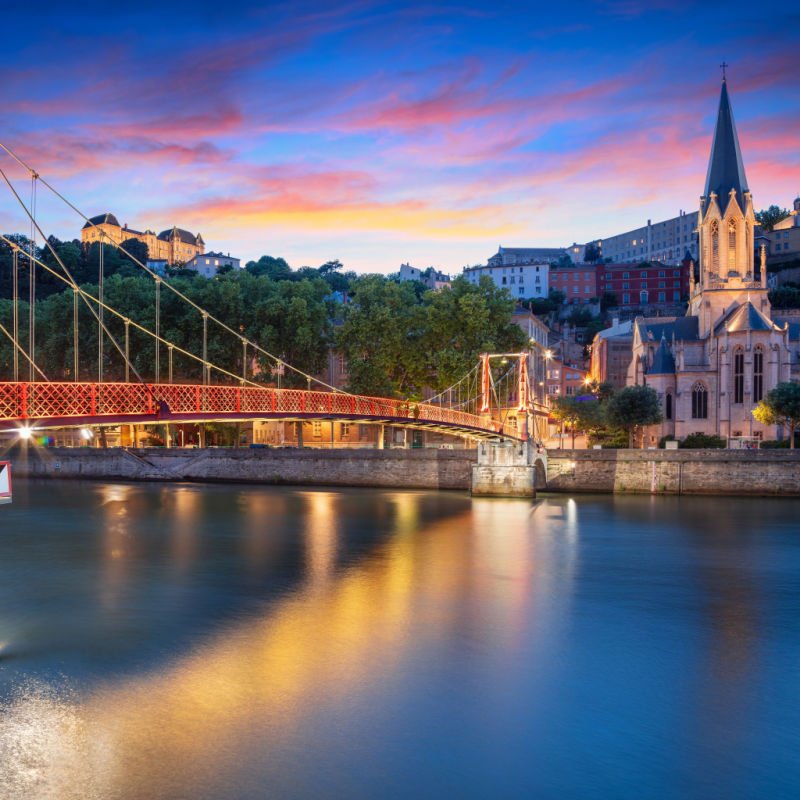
[514,641]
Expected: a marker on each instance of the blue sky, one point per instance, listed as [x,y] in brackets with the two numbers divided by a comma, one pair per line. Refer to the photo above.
[379,133]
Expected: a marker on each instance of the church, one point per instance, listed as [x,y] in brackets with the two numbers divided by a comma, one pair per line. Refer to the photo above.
[713,366]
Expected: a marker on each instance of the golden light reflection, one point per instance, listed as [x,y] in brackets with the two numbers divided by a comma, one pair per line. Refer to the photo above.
[179,730]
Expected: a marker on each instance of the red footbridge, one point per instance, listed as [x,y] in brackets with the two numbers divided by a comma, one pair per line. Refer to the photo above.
[54,404]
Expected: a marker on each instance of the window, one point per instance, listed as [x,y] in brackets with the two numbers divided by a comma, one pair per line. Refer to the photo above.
[676,284]
[626,285]
[662,297]
[363,432]
[316,427]
[344,430]
[668,406]
[738,375]
[732,245]
[676,295]
[642,284]
[626,274]
[643,275]
[662,284]
[643,297]
[758,374]
[715,246]
[662,274]
[699,401]
[504,280]
[626,299]
[522,290]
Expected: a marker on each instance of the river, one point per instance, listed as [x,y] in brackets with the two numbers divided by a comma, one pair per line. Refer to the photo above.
[197,641]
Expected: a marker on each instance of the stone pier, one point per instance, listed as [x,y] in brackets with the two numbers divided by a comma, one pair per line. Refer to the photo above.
[509,469]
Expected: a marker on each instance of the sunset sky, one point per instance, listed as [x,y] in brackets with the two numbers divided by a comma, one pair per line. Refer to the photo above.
[380,133]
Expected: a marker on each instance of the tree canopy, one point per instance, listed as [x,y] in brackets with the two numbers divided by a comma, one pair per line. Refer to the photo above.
[633,407]
[781,406]
[768,217]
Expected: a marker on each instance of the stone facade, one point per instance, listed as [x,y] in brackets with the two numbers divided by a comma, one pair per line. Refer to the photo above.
[174,245]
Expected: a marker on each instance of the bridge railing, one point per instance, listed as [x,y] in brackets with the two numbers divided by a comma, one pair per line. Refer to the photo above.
[65,400]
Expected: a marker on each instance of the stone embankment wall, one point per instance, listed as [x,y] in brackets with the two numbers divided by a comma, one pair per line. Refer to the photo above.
[402,469]
[720,472]
[713,472]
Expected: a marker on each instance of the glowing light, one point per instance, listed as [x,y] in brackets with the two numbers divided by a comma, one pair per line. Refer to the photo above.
[86,434]
[25,433]
[548,354]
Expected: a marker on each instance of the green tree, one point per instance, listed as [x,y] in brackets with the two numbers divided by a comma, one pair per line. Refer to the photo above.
[577,414]
[768,217]
[781,406]
[591,253]
[633,407]
[275,268]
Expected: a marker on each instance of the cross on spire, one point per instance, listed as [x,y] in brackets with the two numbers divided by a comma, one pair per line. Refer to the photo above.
[723,67]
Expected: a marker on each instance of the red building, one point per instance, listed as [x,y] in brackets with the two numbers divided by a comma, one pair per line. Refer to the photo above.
[579,283]
[647,285]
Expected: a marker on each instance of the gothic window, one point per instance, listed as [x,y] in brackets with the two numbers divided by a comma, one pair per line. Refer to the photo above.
[699,401]
[731,245]
[738,375]
[758,374]
[668,406]
[715,246]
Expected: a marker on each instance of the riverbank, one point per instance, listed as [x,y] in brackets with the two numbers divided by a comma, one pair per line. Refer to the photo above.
[688,472]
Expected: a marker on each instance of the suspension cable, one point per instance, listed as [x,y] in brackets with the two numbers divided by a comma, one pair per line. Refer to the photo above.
[278,362]
[18,347]
[91,301]
[100,294]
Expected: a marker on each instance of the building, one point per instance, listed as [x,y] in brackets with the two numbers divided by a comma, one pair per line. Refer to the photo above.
[579,283]
[430,277]
[514,256]
[645,285]
[783,241]
[712,366]
[209,264]
[174,245]
[666,241]
[523,281]
[611,354]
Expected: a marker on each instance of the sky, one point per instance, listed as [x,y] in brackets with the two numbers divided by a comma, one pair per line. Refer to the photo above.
[385,133]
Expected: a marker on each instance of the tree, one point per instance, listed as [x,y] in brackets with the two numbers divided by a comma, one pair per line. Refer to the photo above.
[591,253]
[275,268]
[578,414]
[781,406]
[633,407]
[767,218]
[608,300]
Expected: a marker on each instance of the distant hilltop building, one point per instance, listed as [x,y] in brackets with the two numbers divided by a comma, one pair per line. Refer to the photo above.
[515,256]
[173,245]
[784,238]
[523,281]
[209,264]
[429,277]
[668,242]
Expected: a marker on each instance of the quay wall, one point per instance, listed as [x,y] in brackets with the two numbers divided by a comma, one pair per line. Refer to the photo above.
[401,469]
[694,472]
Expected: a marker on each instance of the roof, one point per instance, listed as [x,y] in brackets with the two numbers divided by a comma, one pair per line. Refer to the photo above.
[663,362]
[725,166]
[620,329]
[745,317]
[102,219]
[682,328]
[179,233]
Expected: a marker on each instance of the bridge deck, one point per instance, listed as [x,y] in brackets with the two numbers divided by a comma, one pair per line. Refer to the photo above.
[60,404]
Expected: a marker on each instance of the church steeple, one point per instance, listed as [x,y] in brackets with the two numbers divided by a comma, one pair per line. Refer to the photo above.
[725,167]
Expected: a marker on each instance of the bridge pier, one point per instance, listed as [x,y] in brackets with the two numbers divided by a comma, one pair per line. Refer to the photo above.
[509,469]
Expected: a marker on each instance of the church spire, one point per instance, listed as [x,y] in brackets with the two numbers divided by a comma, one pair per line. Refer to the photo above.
[725,167]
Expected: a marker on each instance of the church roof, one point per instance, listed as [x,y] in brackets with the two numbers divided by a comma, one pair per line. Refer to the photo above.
[102,219]
[745,317]
[655,328]
[725,167]
[663,362]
